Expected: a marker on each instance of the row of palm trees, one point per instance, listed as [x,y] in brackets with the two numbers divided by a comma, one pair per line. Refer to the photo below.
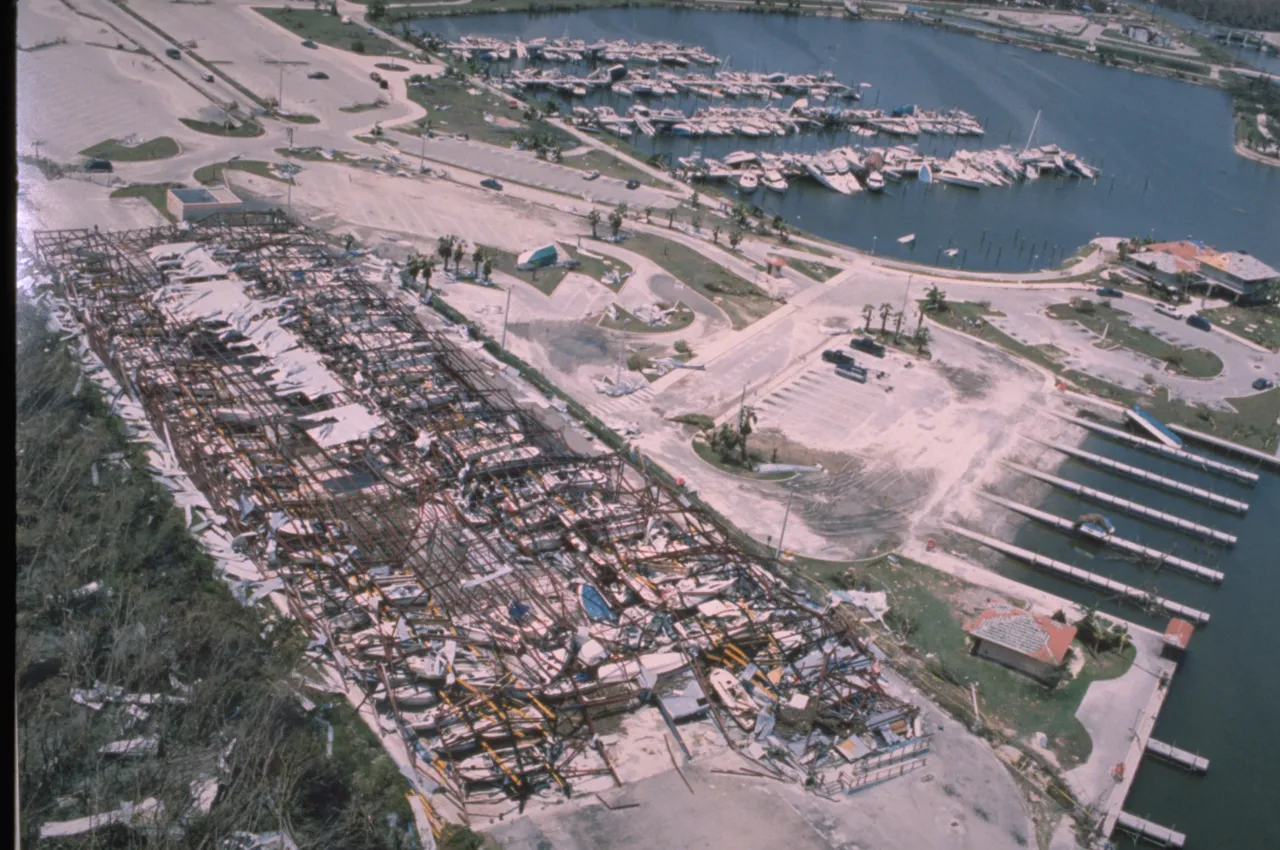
[422,266]
[935,301]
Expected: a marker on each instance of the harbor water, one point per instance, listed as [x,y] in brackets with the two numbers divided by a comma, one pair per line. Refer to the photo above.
[1169,170]
[1222,703]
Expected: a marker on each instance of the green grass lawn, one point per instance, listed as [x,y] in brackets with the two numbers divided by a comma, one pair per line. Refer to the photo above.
[936,605]
[159,148]
[153,192]
[741,299]
[363,107]
[626,321]
[243,130]
[609,166]
[209,175]
[546,279]
[1256,324]
[1193,362]
[818,271]
[452,108]
[323,28]
[702,450]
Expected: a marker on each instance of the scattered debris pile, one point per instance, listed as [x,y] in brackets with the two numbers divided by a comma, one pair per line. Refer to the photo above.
[490,591]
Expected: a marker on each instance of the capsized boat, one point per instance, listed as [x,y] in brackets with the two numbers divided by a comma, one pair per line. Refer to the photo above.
[925,174]
[741,707]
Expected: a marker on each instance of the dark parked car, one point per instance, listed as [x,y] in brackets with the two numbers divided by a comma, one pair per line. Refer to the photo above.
[490,183]
[375,76]
[317,75]
[837,357]
[869,345]
[1262,384]
[631,184]
[1199,322]
[173,53]
[1108,292]
[100,165]
[310,43]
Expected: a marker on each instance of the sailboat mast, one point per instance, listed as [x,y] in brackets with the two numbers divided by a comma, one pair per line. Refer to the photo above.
[1034,124]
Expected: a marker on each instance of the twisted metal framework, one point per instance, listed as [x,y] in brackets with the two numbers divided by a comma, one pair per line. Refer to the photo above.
[441,557]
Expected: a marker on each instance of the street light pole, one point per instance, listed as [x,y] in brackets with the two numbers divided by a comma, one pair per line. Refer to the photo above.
[777,553]
[907,293]
[280,99]
[506,311]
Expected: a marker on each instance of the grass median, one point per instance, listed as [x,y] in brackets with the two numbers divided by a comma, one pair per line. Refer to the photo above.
[1104,319]
[117,151]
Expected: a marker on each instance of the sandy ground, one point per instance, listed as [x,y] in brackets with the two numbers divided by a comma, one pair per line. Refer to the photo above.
[962,798]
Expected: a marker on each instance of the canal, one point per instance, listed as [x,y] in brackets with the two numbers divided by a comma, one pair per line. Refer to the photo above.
[1164,147]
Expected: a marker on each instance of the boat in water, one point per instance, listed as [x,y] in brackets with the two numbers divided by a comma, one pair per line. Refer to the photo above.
[595,606]
[774,181]
[875,182]
[907,240]
[925,175]
[748,181]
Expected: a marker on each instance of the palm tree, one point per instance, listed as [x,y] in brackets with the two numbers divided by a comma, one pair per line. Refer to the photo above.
[746,424]
[615,220]
[488,267]
[671,218]
[477,257]
[897,326]
[427,268]
[593,218]
[696,221]
[715,234]
[920,323]
[735,238]
[886,310]
[459,251]
[935,300]
[922,338]
[867,312]
[648,214]
[444,247]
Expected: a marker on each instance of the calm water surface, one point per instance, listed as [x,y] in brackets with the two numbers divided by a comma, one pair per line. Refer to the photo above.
[1165,147]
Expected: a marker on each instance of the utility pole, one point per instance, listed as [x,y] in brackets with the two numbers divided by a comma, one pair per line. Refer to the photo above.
[290,197]
[280,99]
[422,157]
[777,553]
[505,312]
[742,407]
[289,130]
[906,294]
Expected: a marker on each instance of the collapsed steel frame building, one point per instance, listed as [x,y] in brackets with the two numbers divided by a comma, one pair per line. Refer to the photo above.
[494,593]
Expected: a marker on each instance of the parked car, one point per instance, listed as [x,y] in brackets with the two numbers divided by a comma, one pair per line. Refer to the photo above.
[591,175]
[839,358]
[317,75]
[632,184]
[173,53]
[383,84]
[867,344]
[311,44]
[375,76]
[490,183]
[1199,322]
[208,78]
[99,165]
[1263,384]
[1108,292]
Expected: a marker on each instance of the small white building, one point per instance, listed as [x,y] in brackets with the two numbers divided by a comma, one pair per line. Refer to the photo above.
[187,204]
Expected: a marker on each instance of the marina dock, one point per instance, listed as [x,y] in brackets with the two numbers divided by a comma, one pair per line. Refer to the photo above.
[1130,507]
[1184,457]
[1085,530]
[1133,595]
[1160,481]
[1159,835]
[1181,758]
[1271,461]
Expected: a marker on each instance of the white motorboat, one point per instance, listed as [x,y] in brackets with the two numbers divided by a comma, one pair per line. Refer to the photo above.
[875,182]
[748,181]
[774,181]
[966,178]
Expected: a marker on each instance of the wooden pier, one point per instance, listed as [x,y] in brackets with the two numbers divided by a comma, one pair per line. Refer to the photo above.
[1133,595]
[1161,836]
[1181,758]
[1129,506]
[1271,461]
[1184,457]
[1160,481]
[1065,525]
